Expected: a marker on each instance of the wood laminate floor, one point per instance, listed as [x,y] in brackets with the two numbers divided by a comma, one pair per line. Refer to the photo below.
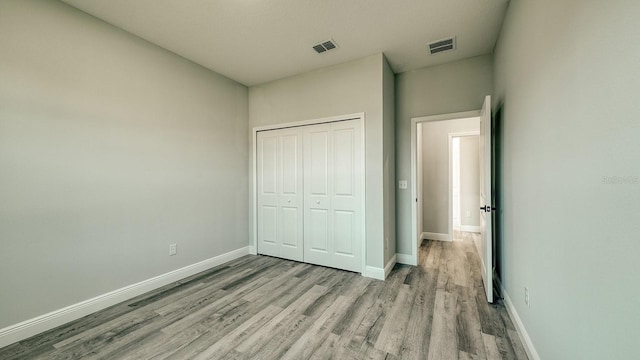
[259,307]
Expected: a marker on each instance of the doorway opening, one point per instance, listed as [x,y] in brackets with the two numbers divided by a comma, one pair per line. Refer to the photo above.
[447,178]
[432,139]
[465,187]
[464,182]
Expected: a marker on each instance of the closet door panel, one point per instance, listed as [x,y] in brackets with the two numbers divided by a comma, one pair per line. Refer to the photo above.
[267,171]
[269,224]
[317,220]
[290,227]
[317,161]
[346,200]
[343,162]
[291,196]
[344,224]
[280,197]
[317,236]
[332,188]
[291,157]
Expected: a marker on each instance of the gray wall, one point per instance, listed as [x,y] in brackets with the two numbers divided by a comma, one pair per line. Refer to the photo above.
[469,181]
[567,77]
[110,148]
[388,113]
[348,88]
[449,88]
[435,171]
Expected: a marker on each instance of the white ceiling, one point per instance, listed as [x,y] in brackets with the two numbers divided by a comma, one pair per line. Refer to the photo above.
[255,41]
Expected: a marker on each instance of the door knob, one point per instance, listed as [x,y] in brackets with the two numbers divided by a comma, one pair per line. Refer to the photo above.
[318,202]
[289,201]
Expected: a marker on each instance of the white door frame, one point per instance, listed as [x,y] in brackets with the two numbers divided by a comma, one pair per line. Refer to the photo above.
[451,136]
[414,186]
[253,243]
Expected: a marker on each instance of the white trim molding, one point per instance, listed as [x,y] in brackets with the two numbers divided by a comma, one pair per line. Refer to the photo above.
[520,329]
[389,267]
[373,272]
[379,273]
[435,236]
[28,328]
[406,259]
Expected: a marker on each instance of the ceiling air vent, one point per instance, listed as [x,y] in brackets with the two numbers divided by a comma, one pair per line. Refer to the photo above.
[325,46]
[442,45]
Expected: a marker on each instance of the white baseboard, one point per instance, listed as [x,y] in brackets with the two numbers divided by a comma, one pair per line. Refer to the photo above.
[380,273]
[374,272]
[28,328]
[390,265]
[522,332]
[435,236]
[406,259]
[470,228]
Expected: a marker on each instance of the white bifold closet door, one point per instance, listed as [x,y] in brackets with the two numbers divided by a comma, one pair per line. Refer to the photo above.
[280,197]
[333,195]
[310,194]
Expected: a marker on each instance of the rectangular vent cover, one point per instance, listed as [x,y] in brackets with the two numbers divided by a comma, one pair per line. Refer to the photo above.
[442,45]
[325,46]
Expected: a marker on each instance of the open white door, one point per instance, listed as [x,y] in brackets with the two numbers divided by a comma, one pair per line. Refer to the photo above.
[486,243]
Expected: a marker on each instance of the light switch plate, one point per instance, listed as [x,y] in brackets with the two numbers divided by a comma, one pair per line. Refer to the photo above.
[402,184]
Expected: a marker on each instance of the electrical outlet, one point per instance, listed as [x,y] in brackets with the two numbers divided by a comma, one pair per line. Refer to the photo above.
[527,298]
[403,184]
[173,249]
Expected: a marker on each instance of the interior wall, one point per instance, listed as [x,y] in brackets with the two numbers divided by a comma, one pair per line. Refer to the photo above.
[111,149]
[567,80]
[348,88]
[436,212]
[469,181]
[449,88]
